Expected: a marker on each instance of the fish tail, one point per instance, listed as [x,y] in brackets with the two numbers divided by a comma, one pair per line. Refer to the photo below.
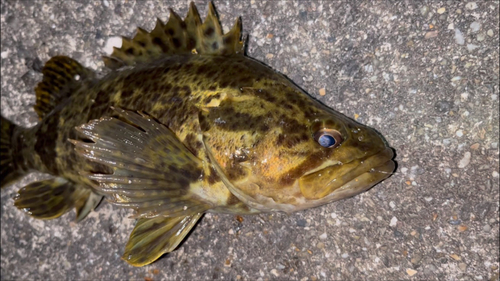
[9,171]
[45,199]
[51,198]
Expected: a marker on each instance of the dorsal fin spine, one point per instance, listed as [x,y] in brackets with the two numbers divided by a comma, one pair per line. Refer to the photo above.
[178,36]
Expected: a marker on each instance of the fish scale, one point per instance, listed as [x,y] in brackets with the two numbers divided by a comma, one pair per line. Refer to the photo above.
[184,123]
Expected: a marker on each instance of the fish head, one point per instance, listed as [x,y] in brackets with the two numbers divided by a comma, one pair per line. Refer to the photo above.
[281,150]
[350,158]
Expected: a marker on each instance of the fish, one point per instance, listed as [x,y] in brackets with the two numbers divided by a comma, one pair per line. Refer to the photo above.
[184,123]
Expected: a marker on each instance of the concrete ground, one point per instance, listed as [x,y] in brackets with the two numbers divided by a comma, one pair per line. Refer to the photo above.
[425,74]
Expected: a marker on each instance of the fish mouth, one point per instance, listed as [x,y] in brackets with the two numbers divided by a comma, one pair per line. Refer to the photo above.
[336,182]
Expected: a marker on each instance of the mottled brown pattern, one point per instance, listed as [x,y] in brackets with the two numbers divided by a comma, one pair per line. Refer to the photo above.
[261,112]
[232,134]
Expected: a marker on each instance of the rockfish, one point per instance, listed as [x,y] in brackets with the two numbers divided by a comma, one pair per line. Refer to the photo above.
[184,123]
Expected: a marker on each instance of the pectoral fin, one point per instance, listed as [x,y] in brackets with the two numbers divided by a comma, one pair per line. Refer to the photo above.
[152,238]
[154,173]
[49,199]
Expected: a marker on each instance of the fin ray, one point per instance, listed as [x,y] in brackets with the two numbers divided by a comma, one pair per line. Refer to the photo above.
[49,199]
[151,238]
[61,76]
[8,170]
[178,36]
[153,172]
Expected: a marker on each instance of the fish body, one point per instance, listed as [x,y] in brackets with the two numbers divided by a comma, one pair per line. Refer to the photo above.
[185,124]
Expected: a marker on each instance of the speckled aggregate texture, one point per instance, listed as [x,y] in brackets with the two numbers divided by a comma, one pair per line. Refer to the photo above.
[424,74]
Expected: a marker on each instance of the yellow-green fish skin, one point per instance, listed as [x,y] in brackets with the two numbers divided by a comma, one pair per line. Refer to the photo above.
[184,124]
[250,115]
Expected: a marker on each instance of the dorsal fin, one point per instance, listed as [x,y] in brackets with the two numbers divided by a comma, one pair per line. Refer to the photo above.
[177,36]
[61,77]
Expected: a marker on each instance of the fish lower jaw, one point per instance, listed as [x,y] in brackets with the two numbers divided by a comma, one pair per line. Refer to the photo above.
[371,171]
[364,181]
[359,184]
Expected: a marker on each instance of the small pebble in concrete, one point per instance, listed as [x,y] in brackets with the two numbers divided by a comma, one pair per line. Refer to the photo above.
[475,26]
[464,162]
[472,47]
[424,10]
[411,272]
[471,6]
[394,222]
[112,42]
[459,37]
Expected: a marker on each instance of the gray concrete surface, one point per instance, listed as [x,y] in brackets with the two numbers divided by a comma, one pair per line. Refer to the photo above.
[425,74]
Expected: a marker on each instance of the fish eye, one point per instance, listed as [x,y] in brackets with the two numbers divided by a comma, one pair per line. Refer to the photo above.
[328,138]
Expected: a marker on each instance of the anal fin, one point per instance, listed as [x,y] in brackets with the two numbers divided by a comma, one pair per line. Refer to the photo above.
[151,238]
[49,199]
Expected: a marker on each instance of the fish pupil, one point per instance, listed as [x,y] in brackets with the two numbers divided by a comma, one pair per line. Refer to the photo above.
[326,140]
